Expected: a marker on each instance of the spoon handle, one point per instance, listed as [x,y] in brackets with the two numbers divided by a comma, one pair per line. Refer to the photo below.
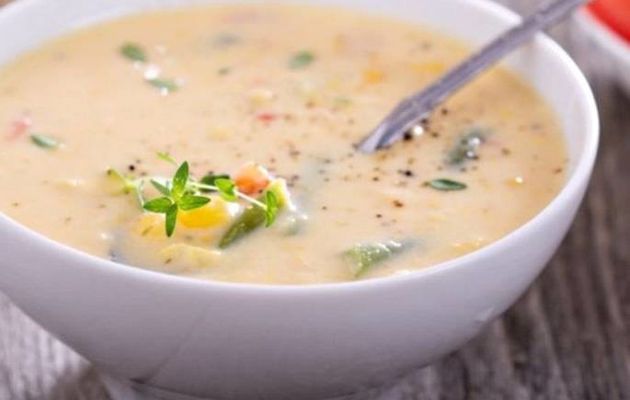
[411,110]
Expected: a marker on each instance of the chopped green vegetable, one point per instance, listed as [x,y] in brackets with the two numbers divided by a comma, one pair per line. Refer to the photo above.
[251,219]
[224,71]
[273,206]
[45,142]
[255,217]
[128,184]
[446,185]
[166,85]
[226,39]
[342,102]
[210,179]
[362,257]
[133,52]
[301,60]
[466,148]
[166,157]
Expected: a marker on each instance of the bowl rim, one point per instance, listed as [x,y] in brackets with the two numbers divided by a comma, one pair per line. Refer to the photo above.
[571,189]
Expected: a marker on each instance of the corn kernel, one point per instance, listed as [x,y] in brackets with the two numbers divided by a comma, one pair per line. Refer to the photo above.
[431,68]
[373,75]
[212,214]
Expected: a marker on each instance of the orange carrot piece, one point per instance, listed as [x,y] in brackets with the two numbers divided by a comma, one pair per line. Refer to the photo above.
[252,179]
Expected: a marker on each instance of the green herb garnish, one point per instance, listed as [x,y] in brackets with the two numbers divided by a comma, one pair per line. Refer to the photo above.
[183,193]
[133,52]
[446,185]
[165,85]
[175,198]
[227,188]
[301,60]
[45,142]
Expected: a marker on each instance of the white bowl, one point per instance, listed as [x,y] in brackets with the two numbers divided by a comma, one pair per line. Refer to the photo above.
[171,335]
[605,44]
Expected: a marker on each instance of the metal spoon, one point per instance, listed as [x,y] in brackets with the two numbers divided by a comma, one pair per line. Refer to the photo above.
[412,110]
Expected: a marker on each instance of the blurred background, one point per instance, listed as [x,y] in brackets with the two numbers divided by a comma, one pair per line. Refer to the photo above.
[568,338]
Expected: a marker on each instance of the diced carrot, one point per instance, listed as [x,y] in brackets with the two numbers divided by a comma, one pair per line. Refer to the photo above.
[266,117]
[373,76]
[252,179]
[19,127]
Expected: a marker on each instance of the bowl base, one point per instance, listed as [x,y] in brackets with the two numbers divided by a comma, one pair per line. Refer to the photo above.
[120,389]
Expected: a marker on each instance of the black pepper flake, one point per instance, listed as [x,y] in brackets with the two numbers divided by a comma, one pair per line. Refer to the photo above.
[15,204]
[379,216]
[324,208]
[132,167]
[376,178]
[558,170]
[505,151]
[408,137]
[398,204]
[444,111]
[406,172]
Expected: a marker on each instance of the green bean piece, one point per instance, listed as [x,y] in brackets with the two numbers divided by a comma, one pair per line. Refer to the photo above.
[362,257]
[253,217]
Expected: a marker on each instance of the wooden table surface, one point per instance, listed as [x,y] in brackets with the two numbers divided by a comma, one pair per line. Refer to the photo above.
[567,338]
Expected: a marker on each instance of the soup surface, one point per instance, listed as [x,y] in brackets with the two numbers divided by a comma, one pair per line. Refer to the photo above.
[263,105]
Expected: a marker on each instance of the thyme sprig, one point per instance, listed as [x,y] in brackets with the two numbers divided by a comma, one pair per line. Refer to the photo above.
[183,193]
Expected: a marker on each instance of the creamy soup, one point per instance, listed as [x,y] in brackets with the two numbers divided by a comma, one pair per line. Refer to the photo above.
[218,143]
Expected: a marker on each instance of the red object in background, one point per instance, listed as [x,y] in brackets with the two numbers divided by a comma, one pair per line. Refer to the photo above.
[615,14]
